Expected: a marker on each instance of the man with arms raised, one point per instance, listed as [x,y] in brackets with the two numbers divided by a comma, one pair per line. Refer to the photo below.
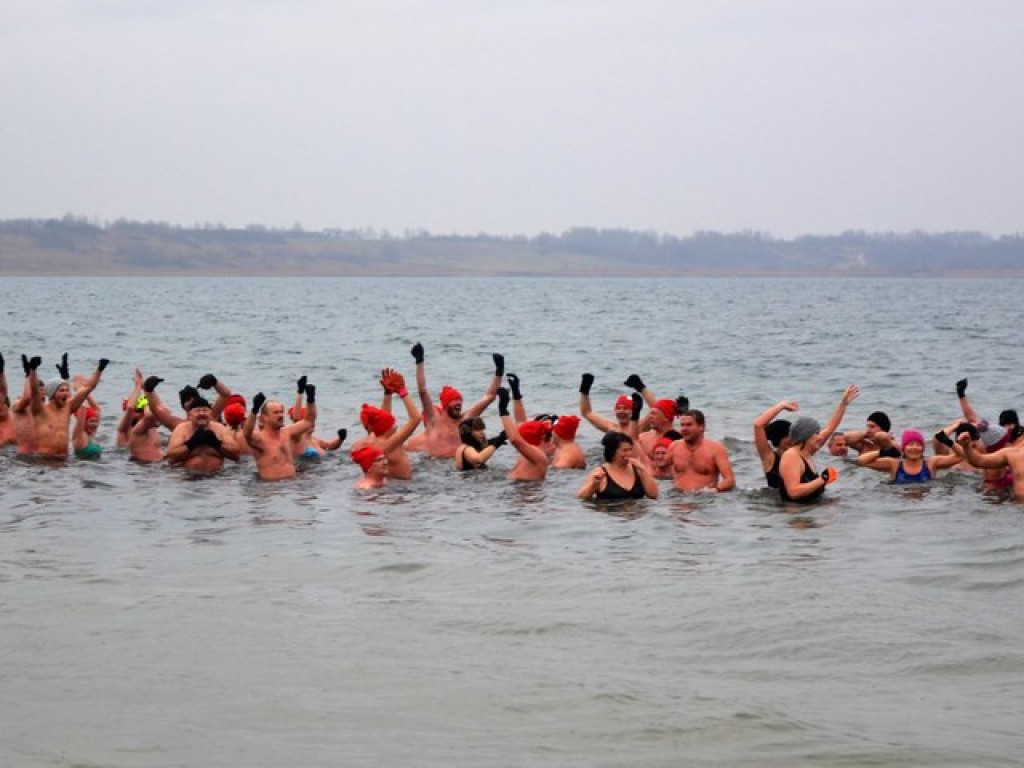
[384,433]
[699,463]
[200,443]
[273,445]
[52,417]
[443,425]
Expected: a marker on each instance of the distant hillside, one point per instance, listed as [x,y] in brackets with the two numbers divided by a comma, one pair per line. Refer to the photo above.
[72,246]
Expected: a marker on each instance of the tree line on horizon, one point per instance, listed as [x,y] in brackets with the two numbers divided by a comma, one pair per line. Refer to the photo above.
[162,245]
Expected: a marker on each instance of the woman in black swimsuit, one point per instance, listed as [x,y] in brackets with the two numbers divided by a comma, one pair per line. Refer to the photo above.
[621,476]
[799,479]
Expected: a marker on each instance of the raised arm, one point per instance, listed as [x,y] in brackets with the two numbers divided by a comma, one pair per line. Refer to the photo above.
[253,438]
[88,386]
[531,453]
[518,408]
[851,393]
[492,389]
[965,405]
[209,381]
[586,411]
[761,443]
[421,385]
[404,432]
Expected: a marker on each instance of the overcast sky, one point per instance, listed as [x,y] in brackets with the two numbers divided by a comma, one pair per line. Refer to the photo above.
[517,117]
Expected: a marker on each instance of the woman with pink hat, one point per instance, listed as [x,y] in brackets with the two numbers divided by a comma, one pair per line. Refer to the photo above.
[913,467]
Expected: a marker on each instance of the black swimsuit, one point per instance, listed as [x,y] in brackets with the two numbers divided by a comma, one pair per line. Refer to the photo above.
[466,465]
[615,492]
[808,475]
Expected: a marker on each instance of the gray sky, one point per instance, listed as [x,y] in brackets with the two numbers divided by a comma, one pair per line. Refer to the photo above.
[784,116]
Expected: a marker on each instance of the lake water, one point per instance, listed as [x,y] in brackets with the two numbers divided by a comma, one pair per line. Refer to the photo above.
[149,619]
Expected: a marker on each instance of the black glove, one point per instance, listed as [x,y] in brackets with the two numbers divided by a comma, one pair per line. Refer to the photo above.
[300,385]
[502,401]
[586,383]
[513,384]
[257,402]
[2,363]
[498,440]
[499,365]
[310,394]
[417,352]
[943,438]
[197,439]
[342,434]
[62,367]
[961,388]
[634,382]
[102,364]
[209,381]
[150,384]
[638,405]
[187,394]
[682,403]
[969,428]
[30,364]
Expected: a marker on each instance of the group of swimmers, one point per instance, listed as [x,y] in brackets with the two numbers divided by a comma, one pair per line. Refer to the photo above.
[647,439]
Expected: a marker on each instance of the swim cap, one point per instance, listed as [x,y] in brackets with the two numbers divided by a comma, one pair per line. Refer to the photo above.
[663,442]
[366,455]
[448,395]
[376,420]
[910,436]
[667,407]
[881,420]
[296,415]
[993,436]
[52,385]
[235,400]
[1008,418]
[234,414]
[199,402]
[803,429]
[776,431]
[624,401]
[533,432]
[91,413]
[566,426]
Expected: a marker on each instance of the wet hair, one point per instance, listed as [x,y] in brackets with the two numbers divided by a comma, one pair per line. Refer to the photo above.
[198,402]
[466,429]
[694,414]
[777,431]
[881,419]
[673,435]
[611,442]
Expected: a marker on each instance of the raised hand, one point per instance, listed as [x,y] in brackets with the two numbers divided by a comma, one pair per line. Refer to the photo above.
[208,381]
[300,385]
[310,394]
[513,383]
[498,440]
[102,364]
[499,364]
[342,435]
[257,402]
[502,401]
[62,367]
[417,352]
[634,382]
[638,405]
[151,383]
[961,388]
[586,382]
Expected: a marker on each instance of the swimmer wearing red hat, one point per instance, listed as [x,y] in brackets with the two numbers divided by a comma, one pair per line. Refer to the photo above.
[622,409]
[526,438]
[442,426]
[382,430]
[568,454]
[374,463]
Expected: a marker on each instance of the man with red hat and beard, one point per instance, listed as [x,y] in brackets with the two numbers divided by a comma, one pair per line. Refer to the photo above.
[568,454]
[526,438]
[662,416]
[623,409]
[442,426]
[382,431]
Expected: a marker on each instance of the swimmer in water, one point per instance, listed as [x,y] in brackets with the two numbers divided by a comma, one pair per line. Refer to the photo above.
[442,425]
[526,438]
[383,431]
[621,476]
[699,463]
[52,417]
[199,443]
[476,449]
[274,444]
[568,453]
[800,480]
[374,463]
[913,467]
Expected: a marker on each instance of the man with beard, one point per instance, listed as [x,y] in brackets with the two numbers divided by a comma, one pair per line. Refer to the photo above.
[442,425]
[699,463]
[52,416]
[199,443]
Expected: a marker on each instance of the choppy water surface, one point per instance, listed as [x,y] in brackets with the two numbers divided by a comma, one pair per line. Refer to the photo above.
[149,619]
